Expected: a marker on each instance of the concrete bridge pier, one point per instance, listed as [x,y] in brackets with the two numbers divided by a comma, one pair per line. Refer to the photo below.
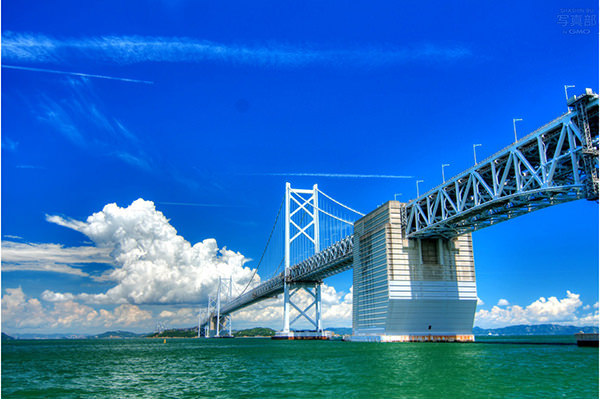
[221,330]
[410,289]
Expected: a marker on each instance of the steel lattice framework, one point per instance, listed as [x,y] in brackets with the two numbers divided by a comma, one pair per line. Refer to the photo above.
[552,165]
[332,260]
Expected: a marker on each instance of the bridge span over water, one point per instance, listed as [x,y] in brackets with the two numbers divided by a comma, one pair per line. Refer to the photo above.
[413,269]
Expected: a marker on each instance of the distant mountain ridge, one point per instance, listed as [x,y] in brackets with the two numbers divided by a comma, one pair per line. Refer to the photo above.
[340,330]
[116,334]
[539,329]
[255,332]
[6,337]
[105,335]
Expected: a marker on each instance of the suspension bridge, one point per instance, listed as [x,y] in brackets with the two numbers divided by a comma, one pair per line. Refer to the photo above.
[413,268]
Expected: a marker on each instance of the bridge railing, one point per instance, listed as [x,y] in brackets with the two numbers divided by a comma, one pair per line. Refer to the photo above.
[543,168]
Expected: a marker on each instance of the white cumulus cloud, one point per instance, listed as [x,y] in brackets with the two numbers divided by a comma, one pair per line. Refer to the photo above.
[186,317]
[503,302]
[50,296]
[544,310]
[20,313]
[50,257]
[124,315]
[153,263]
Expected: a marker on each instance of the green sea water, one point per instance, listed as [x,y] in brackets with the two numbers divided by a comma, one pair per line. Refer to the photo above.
[262,368]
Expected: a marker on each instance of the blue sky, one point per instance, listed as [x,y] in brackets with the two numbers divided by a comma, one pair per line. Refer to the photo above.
[204,110]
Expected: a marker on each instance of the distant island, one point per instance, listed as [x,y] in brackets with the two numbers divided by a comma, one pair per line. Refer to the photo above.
[192,332]
[540,329]
[254,332]
[6,337]
[116,335]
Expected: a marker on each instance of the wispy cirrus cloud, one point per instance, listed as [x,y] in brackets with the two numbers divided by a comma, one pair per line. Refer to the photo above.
[60,115]
[12,236]
[9,145]
[39,48]
[29,167]
[137,161]
[81,118]
[54,258]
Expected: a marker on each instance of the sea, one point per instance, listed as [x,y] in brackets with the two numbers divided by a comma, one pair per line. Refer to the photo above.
[493,367]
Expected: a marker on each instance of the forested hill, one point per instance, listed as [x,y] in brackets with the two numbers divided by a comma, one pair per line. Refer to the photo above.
[540,329]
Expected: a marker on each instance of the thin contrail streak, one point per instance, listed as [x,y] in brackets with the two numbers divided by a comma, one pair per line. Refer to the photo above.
[86,75]
[357,176]
[194,204]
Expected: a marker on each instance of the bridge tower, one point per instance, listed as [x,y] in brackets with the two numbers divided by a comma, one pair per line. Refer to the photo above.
[219,323]
[301,226]
[410,289]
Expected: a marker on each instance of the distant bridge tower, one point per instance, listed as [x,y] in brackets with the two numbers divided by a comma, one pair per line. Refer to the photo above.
[302,227]
[219,323]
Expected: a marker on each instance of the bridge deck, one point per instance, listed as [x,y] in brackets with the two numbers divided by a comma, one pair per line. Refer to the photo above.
[332,260]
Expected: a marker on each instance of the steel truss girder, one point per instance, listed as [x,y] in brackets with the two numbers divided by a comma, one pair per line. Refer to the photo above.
[544,168]
[332,260]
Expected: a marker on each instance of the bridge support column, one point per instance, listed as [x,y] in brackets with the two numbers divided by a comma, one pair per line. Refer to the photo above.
[301,223]
[286,287]
[410,290]
[286,307]
[303,297]
[318,307]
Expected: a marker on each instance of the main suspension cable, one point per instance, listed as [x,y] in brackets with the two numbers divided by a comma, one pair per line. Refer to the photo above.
[265,250]
[339,203]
